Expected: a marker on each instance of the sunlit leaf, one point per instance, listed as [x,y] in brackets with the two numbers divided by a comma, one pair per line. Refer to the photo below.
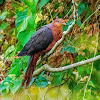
[31,4]
[3,15]
[15,68]
[9,50]
[17,64]
[3,26]
[23,26]
[20,16]
[31,23]
[91,84]
[24,36]
[16,84]
[5,85]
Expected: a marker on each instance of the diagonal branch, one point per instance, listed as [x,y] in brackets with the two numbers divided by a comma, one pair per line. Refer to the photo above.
[49,69]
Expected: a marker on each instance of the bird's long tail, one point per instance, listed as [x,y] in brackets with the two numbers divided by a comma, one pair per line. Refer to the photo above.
[29,72]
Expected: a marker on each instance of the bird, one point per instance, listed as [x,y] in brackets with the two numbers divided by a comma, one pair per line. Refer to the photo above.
[41,42]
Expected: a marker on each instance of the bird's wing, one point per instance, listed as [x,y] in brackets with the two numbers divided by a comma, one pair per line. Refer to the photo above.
[38,42]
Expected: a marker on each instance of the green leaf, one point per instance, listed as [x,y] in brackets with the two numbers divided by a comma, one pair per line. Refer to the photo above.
[81,70]
[65,43]
[31,23]
[81,7]
[68,48]
[96,64]
[24,36]
[10,83]
[41,81]
[64,27]
[32,80]
[91,84]
[3,26]
[5,85]
[67,24]
[1,1]
[18,47]
[57,79]
[0,36]
[42,3]
[79,22]
[89,69]
[88,13]
[23,26]
[17,64]
[16,84]
[20,16]
[3,15]
[28,23]
[31,4]
[9,51]
[80,57]
[15,68]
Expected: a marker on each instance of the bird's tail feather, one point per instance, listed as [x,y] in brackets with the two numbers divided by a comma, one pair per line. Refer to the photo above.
[29,72]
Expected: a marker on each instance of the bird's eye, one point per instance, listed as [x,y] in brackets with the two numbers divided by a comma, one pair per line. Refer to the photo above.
[58,21]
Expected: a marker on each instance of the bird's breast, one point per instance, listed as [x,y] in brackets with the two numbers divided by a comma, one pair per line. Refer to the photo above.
[57,33]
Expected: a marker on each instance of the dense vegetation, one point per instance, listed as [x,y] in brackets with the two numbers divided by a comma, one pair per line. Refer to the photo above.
[19,19]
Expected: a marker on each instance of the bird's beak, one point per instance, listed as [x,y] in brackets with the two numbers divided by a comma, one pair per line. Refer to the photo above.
[64,23]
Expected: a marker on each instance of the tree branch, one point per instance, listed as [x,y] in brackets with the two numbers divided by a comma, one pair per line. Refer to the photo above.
[49,69]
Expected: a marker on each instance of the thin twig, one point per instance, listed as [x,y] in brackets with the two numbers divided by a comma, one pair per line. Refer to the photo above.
[83,24]
[28,94]
[89,17]
[56,86]
[68,13]
[17,3]
[50,13]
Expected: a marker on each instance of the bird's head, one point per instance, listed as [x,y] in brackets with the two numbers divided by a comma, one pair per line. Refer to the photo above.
[59,22]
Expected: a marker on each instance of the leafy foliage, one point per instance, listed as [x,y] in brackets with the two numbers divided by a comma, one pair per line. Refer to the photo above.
[57,79]
[41,81]
[11,83]
[1,1]
[42,3]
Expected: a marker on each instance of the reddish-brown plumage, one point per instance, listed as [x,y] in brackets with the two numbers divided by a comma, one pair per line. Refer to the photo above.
[41,42]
